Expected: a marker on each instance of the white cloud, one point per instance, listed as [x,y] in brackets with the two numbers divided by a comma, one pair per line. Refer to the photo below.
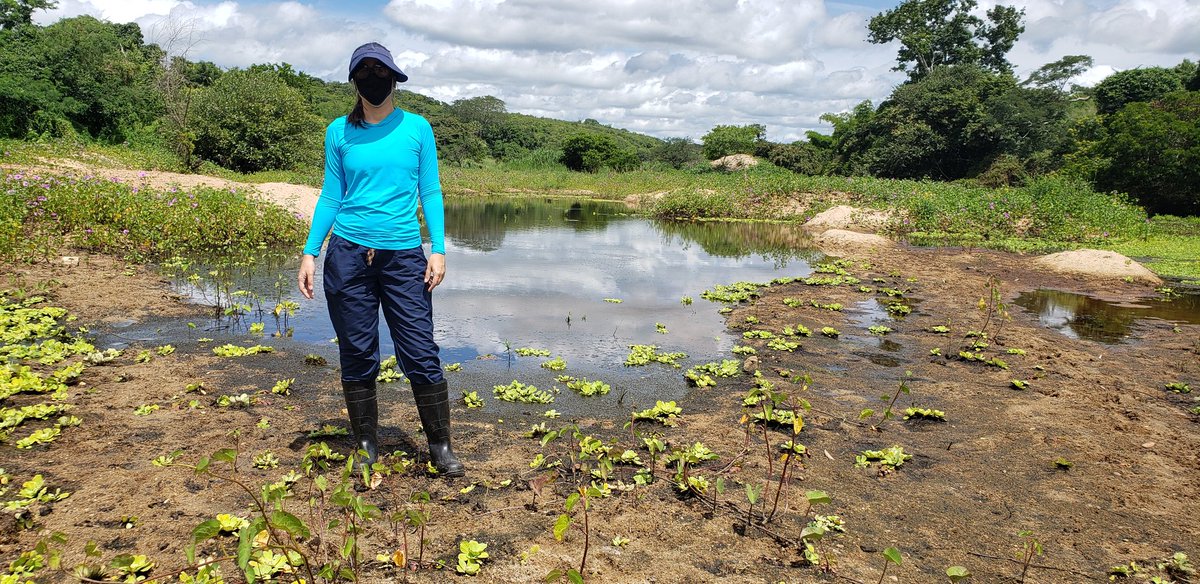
[665,68]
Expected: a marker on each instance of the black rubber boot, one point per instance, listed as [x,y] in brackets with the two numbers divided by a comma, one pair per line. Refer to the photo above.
[433,405]
[363,409]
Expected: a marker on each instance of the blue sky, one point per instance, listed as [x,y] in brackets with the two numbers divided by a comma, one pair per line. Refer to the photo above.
[669,68]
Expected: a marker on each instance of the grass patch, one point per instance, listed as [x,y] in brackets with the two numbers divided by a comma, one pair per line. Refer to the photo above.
[41,215]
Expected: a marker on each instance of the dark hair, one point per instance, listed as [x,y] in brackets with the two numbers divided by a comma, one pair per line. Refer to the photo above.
[356,115]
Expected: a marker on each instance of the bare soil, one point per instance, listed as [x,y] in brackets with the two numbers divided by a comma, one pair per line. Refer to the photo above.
[975,480]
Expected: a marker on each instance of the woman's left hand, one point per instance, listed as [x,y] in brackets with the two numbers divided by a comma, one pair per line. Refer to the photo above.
[435,270]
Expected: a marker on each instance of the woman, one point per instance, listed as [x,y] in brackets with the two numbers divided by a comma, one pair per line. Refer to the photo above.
[379,163]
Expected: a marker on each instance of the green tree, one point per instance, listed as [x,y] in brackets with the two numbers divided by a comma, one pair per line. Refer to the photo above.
[801,157]
[956,121]
[458,142]
[591,152]
[252,120]
[677,152]
[725,140]
[96,75]
[14,13]
[934,33]
[1134,85]
[1152,152]
[852,139]
[1057,74]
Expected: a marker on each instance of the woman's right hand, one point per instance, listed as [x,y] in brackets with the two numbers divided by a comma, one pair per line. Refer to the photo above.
[304,278]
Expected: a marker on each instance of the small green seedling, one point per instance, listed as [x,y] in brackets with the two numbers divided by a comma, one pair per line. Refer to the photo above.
[891,556]
[1019,384]
[1026,551]
[753,492]
[1063,463]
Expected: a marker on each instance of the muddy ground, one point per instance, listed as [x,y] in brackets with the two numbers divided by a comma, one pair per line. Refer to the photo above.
[975,481]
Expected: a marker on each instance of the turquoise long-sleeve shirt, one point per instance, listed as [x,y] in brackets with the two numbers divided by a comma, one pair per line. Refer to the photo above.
[374,177]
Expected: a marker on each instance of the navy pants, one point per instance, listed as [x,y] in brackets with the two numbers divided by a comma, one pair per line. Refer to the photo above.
[358,281]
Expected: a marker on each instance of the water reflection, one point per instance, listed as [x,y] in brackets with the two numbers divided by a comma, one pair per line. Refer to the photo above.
[1084,317]
[536,272]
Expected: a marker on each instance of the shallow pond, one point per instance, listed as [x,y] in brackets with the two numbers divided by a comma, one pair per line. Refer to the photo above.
[537,273]
[1083,317]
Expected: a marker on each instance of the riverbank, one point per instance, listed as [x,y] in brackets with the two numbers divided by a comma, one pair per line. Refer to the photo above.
[1094,457]
[1048,215]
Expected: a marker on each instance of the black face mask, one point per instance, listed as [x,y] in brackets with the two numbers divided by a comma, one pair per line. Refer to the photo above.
[375,89]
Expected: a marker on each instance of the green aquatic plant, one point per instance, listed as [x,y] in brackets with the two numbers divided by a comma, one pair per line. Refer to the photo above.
[230,350]
[665,413]
[227,401]
[146,409]
[879,329]
[834,306]
[519,392]
[830,332]
[613,300]
[780,344]
[283,386]
[797,331]
[645,354]
[470,557]
[758,334]
[532,352]
[471,399]
[555,364]
[733,293]
[924,414]
[42,436]
[451,367]
[1019,384]
[1178,387]
[939,329]
[898,309]
[327,431]
[743,350]
[584,387]
[265,460]
[889,459]
[792,302]
[686,301]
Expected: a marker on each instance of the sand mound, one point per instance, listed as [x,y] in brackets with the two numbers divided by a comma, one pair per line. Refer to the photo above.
[734,162]
[848,218]
[835,241]
[1097,263]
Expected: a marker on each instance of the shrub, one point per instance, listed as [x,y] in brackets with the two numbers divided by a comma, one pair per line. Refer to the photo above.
[251,120]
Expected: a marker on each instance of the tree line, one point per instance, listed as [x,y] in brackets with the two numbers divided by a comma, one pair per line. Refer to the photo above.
[961,114]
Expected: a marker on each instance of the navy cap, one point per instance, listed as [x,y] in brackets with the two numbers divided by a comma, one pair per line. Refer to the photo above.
[378,52]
